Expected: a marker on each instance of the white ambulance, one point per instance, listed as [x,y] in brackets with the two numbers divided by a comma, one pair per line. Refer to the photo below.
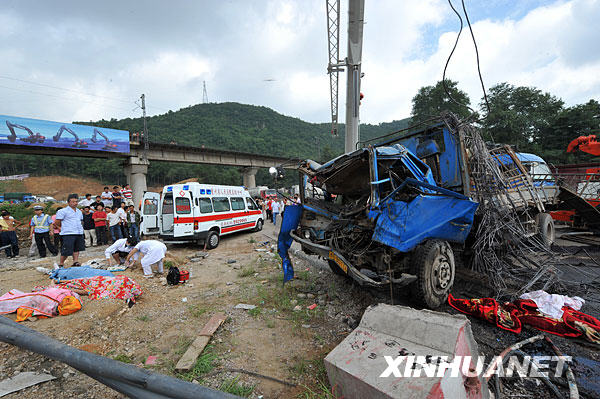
[199,212]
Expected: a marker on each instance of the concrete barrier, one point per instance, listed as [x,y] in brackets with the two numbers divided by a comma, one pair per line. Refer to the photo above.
[356,366]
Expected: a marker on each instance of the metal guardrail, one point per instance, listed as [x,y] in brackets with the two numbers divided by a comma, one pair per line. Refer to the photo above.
[135,382]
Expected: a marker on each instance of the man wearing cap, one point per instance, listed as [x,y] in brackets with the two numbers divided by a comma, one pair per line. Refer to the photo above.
[41,228]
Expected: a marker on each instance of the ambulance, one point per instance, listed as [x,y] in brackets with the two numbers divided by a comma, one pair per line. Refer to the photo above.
[194,212]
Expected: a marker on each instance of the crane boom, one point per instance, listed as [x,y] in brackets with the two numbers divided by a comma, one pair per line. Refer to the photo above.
[356,12]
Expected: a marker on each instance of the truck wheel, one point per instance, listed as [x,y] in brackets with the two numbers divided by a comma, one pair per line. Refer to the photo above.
[212,240]
[545,227]
[335,268]
[433,264]
[259,225]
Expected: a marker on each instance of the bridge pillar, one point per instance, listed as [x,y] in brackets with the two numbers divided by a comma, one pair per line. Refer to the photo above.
[249,177]
[136,170]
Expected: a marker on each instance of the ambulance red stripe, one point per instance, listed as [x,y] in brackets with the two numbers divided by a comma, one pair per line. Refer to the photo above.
[209,218]
[238,227]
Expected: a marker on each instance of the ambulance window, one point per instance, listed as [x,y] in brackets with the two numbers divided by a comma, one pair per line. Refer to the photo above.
[221,204]
[251,204]
[167,205]
[237,204]
[205,205]
[150,206]
[182,205]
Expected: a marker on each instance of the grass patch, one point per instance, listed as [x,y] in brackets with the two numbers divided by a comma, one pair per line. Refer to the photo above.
[254,312]
[270,324]
[251,240]
[144,318]
[234,387]
[121,357]
[205,363]
[182,344]
[246,272]
[319,391]
[21,212]
[304,275]
[168,264]
[197,310]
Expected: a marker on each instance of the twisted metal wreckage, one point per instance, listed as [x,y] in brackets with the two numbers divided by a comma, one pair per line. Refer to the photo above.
[394,214]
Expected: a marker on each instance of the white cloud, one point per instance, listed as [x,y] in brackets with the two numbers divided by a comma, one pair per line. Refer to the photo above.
[118,50]
[536,50]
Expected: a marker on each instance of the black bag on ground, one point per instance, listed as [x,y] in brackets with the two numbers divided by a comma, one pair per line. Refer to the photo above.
[173,276]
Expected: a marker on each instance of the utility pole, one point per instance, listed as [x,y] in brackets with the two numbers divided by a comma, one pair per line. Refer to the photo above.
[145,128]
[204,93]
[352,63]
[356,12]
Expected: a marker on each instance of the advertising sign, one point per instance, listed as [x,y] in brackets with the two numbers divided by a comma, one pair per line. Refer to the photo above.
[39,133]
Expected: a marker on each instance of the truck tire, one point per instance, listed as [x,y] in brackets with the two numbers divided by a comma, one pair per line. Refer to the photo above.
[335,268]
[545,229]
[212,240]
[433,264]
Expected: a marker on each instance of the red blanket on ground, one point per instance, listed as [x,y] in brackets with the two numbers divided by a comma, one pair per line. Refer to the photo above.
[512,316]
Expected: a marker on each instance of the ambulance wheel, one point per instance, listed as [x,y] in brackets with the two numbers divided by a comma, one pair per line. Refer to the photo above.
[212,240]
[433,264]
[259,225]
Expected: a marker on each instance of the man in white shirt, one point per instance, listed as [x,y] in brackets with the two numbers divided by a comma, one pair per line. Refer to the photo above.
[119,250]
[275,207]
[69,219]
[87,201]
[106,197]
[154,252]
[114,225]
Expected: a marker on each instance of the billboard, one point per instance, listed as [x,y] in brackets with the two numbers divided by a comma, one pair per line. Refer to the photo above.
[39,133]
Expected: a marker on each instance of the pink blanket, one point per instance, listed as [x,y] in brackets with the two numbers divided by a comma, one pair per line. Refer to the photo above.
[43,303]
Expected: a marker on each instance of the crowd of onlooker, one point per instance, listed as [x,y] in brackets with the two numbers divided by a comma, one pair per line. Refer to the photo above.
[274,206]
[82,223]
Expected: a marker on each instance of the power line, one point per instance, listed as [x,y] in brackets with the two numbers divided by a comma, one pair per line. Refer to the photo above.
[477,54]
[450,56]
[62,88]
[62,97]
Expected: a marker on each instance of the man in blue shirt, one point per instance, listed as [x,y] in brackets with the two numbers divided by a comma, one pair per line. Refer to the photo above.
[41,226]
[69,219]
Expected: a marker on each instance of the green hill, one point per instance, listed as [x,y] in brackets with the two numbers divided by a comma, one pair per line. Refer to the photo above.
[230,126]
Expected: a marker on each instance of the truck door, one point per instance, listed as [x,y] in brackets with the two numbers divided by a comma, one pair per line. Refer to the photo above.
[184,214]
[149,211]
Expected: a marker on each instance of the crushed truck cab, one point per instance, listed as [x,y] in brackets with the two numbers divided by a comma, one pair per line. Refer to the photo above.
[379,217]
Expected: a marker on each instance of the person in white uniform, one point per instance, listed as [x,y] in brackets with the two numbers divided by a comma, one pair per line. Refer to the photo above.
[154,252]
[119,250]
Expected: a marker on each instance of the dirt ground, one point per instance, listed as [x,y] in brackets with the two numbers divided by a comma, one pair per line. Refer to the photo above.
[273,340]
[60,187]
[281,338]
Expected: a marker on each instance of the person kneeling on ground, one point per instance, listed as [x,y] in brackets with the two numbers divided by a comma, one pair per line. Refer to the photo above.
[153,251]
[119,250]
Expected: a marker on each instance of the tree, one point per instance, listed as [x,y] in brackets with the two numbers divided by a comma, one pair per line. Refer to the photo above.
[519,116]
[430,101]
[570,123]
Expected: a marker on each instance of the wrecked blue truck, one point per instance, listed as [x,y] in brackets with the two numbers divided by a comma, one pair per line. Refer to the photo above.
[394,213]
[378,216]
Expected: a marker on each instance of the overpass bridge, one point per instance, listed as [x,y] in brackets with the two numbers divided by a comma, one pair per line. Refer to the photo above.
[136,162]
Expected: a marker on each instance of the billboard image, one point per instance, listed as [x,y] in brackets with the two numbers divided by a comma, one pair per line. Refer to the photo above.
[39,133]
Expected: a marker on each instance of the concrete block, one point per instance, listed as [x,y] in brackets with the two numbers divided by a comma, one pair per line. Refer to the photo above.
[355,366]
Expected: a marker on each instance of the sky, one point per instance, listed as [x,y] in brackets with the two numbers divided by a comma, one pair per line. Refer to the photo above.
[69,60]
